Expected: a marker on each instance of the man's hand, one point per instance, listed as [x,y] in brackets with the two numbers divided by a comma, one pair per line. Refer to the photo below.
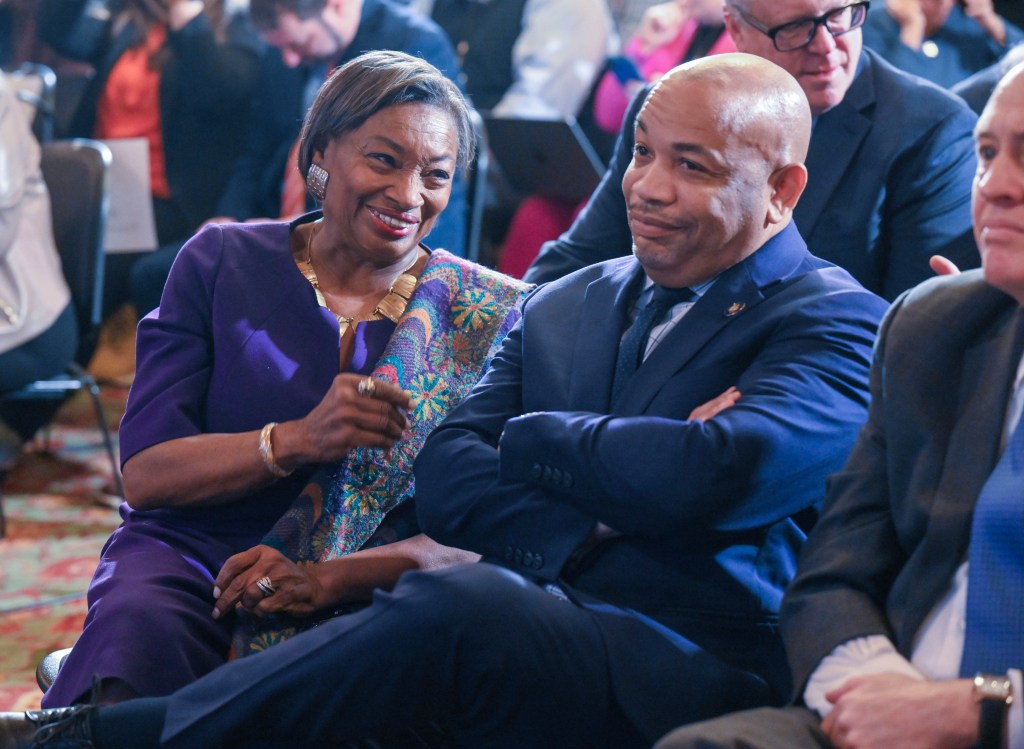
[943,266]
[884,711]
[715,406]
[985,14]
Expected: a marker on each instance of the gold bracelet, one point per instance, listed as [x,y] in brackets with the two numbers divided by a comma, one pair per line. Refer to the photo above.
[267,451]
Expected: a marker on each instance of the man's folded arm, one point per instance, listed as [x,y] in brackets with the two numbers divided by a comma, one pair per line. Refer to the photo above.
[761,460]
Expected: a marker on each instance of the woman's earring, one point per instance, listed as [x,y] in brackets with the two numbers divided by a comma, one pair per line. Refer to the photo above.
[316,181]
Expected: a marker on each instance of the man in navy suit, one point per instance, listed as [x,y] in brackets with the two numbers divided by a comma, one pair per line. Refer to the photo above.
[636,538]
[890,161]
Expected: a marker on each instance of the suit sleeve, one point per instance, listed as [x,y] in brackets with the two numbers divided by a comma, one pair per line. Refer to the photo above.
[928,203]
[461,500]
[70,30]
[601,231]
[848,564]
[175,352]
[247,193]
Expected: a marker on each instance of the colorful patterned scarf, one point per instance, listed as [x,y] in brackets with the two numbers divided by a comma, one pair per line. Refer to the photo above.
[453,325]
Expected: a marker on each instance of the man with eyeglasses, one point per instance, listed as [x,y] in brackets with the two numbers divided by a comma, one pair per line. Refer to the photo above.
[890,161]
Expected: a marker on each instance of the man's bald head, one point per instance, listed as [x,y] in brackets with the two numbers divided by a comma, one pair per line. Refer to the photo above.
[753,98]
[718,165]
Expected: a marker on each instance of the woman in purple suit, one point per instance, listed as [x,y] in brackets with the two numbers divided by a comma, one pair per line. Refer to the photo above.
[326,348]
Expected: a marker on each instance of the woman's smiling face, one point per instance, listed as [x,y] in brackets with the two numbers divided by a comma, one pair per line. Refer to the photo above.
[390,178]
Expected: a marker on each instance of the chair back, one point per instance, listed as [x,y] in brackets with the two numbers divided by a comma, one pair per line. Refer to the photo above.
[75,172]
[477,180]
[35,85]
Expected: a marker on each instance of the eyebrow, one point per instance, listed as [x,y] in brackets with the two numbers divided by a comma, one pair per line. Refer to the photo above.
[682,147]
[1015,138]
[398,147]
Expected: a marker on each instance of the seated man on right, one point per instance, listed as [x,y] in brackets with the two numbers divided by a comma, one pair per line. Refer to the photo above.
[905,623]
[889,166]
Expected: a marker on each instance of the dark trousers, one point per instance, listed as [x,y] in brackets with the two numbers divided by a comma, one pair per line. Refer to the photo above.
[766,728]
[45,355]
[494,659]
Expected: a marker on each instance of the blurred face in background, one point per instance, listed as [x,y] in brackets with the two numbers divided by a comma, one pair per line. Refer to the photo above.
[319,38]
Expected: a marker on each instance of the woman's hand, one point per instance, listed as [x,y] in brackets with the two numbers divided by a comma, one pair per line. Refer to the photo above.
[296,589]
[343,420]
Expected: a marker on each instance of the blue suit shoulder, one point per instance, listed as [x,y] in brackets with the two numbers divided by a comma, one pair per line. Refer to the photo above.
[911,105]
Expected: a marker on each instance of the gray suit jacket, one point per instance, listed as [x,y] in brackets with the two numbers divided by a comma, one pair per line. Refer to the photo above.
[897,520]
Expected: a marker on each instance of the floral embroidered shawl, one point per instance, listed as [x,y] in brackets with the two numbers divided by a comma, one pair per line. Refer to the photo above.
[455,321]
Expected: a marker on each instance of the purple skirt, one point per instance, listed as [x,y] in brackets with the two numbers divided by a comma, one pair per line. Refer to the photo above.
[150,606]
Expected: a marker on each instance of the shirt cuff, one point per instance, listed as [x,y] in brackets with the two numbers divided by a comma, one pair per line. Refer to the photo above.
[858,657]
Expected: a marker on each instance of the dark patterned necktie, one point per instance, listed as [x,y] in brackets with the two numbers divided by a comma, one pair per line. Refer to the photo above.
[631,349]
[994,638]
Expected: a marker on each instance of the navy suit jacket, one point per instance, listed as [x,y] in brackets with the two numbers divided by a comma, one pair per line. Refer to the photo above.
[898,519]
[890,170]
[710,514]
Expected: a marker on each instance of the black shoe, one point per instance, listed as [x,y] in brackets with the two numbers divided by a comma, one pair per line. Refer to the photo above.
[59,728]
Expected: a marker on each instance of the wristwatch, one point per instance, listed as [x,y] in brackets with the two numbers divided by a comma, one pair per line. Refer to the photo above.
[994,693]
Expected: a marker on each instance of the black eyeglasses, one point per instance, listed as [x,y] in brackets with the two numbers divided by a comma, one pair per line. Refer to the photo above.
[796,34]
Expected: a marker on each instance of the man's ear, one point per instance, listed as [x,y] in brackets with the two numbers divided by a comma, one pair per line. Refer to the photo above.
[787,184]
[732,26]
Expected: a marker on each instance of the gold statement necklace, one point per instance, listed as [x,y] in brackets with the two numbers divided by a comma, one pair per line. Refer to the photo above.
[392,306]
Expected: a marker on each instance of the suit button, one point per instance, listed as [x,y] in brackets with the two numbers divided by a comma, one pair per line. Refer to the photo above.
[556,475]
[518,556]
[546,474]
[508,554]
[528,559]
[535,471]
[538,561]
[567,481]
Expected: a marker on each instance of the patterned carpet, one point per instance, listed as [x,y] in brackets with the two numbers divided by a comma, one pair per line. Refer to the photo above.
[59,510]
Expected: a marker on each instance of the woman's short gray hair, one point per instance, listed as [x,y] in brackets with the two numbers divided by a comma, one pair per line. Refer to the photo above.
[374,81]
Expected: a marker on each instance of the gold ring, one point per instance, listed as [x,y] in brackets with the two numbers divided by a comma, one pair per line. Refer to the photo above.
[266,587]
[367,387]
